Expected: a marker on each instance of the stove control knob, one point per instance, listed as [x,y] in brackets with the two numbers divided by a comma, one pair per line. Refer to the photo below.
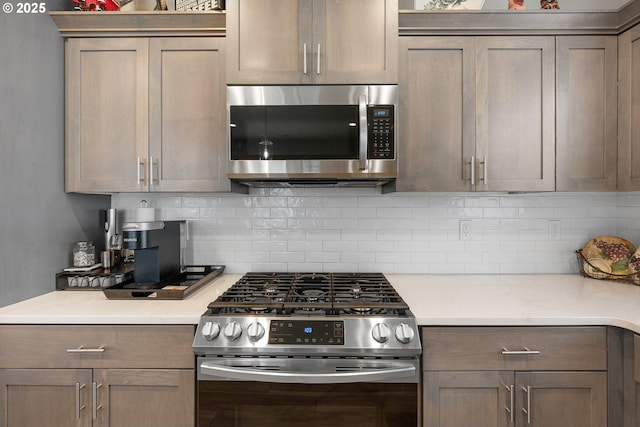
[380,332]
[210,330]
[255,331]
[404,333]
[233,330]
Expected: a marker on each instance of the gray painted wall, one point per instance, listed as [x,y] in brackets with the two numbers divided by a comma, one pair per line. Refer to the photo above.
[38,221]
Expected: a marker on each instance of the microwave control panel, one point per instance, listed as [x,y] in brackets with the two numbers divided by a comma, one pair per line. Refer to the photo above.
[380,123]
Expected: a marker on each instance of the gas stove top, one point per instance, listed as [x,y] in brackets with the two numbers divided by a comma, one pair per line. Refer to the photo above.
[311,294]
[332,314]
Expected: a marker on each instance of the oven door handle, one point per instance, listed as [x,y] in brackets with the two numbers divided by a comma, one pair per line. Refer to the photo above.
[316,377]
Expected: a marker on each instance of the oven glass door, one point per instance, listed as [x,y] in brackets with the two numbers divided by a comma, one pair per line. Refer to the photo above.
[262,404]
[300,132]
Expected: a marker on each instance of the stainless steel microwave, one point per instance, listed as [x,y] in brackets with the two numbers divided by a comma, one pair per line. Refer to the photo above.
[312,135]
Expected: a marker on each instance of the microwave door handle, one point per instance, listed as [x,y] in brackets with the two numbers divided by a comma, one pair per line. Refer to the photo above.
[315,377]
[362,159]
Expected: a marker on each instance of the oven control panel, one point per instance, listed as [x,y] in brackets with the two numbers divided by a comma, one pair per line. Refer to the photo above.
[380,123]
[305,332]
[300,335]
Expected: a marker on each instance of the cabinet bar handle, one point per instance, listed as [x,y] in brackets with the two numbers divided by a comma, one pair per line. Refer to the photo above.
[81,349]
[79,408]
[140,173]
[473,170]
[304,54]
[524,352]
[511,399]
[484,170]
[96,408]
[318,58]
[154,165]
[528,409]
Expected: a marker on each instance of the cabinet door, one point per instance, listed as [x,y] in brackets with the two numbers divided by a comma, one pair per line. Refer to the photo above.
[355,41]
[587,122]
[145,398]
[515,119]
[45,397]
[187,115]
[269,41]
[629,110]
[106,114]
[437,114]
[567,399]
[470,398]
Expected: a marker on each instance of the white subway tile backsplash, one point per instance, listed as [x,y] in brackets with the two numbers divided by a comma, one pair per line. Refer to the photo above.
[363,230]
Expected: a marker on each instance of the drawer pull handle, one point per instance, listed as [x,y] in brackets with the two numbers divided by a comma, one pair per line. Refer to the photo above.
[79,407]
[81,349]
[528,408]
[96,407]
[510,407]
[524,352]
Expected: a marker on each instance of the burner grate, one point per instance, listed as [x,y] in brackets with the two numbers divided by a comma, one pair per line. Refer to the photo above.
[358,294]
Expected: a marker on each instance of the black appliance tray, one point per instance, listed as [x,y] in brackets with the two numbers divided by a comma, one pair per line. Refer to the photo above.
[189,280]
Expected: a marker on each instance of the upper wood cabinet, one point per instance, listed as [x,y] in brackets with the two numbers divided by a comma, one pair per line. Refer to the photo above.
[145,114]
[629,110]
[586,120]
[477,114]
[312,41]
[437,113]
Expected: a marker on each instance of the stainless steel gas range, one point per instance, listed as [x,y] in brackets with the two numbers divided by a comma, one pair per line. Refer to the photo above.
[299,349]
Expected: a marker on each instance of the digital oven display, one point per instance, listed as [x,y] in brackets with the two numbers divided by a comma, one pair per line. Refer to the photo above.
[380,112]
[303,332]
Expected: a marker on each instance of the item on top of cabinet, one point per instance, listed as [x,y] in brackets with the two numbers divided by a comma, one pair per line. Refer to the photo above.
[549,4]
[143,5]
[448,4]
[516,5]
[97,5]
[200,5]
[608,257]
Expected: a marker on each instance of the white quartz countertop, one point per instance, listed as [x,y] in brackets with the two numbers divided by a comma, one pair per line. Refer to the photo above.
[93,307]
[498,300]
[519,300]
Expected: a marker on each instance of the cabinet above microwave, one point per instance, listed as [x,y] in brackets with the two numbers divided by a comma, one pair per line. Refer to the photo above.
[345,42]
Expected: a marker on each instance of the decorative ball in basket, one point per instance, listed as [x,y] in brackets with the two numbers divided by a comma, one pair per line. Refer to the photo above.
[610,257]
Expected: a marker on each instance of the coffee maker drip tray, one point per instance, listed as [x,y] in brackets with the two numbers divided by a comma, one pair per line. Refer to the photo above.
[189,280]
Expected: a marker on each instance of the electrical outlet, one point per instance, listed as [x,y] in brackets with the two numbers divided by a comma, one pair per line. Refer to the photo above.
[554,229]
[465,229]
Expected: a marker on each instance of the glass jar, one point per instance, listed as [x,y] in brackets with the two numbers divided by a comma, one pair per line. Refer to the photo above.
[84,254]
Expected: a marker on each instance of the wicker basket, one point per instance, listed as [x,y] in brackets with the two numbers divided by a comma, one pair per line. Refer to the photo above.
[590,270]
[199,5]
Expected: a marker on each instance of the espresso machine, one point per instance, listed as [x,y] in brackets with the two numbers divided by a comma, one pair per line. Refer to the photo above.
[157,249]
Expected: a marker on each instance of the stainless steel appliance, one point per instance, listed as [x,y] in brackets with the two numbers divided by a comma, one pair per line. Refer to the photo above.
[312,135]
[308,349]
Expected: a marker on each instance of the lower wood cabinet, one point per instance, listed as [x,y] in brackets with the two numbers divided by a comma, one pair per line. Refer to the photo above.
[499,377]
[42,389]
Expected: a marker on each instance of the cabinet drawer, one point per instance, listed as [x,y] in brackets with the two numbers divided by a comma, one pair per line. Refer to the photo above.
[89,346]
[514,348]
